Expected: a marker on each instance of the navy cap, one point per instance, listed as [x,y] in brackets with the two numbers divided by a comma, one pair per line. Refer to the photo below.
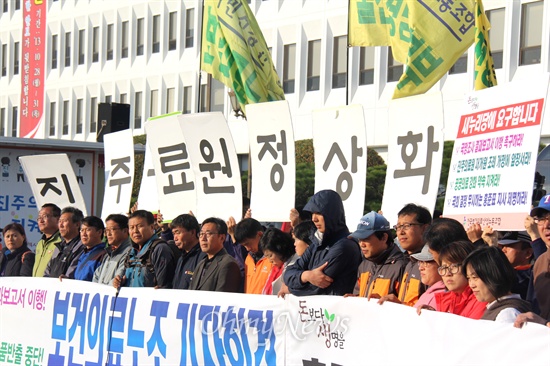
[369,224]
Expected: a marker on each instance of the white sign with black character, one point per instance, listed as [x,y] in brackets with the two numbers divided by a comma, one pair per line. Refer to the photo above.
[176,186]
[52,180]
[147,197]
[340,144]
[414,154]
[215,165]
[119,172]
[272,159]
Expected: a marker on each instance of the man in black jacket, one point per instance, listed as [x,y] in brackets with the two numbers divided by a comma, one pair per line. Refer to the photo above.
[185,229]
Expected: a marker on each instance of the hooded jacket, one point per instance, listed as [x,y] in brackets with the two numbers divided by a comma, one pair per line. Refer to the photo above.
[343,255]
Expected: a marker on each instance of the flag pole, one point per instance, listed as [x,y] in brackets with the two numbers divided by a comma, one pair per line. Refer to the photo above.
[347,61]
[201,20]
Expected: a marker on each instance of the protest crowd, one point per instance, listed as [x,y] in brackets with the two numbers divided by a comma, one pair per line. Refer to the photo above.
[430,263]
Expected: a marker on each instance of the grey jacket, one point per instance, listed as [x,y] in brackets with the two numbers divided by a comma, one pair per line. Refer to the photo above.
[113,263]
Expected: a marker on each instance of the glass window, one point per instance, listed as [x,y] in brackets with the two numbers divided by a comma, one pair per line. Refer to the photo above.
[16,58]
[79,122]
[14,119]
[137,110]
[95,44]
[93,115]
[339,63]
[108,99]
[124,50]
[81,47]
[366,66]
[2,121]
[65,117]
[172,30]
[460,66]
[186,99]
[54,52]
[123,98]
[139,37]
[496,35]
[110,30]
[289,68]
[5,6]
[531,33]
[203,101]
[17,4]
[53,113]
[170,94]
[4,59]
[154,106]
[67,49]
[156,33]
[313,65]
[217,95]
[189,27]
[395,68]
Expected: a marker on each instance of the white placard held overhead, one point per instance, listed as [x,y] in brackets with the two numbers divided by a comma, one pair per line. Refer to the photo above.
[148,193]
[215,164]
[495,154]
[52,180]
[119,172]
[415,153]
[340,144]
[176,186]
[272,159]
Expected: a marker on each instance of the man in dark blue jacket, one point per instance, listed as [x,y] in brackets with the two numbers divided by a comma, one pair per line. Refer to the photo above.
[329,265]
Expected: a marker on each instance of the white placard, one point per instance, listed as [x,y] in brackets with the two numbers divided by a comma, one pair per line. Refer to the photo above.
[52,180]
[215,164]
[415,153]
[119,172]
[340,144]
[148,192]
[494,157]
[273,160]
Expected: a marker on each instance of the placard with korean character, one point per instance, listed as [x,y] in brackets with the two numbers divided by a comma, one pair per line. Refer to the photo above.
[148,197]
[52,180]
[272,160]
[119,172]
[176,185]
[340,144]
[215,164]
[415,153]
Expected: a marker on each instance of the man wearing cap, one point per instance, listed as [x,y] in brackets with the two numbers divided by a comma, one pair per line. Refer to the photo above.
[516,245]
[541,270]
[382,268]
[329,265]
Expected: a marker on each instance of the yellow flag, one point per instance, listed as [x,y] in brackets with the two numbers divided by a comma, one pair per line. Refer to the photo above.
[234,51]
[485,76]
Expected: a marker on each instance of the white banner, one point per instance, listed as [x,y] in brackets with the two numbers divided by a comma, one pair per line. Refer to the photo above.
[495,153]
[148,192]
[119,172]
[415,153]
[340,144]
[176,185]
[272,159]
[52,180]
[215,164]
[75,322]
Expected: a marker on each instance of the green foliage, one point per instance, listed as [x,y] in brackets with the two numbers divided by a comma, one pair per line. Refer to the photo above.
[304,151]
[305,183]
[374,189]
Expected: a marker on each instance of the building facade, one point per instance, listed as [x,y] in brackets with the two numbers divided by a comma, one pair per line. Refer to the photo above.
[146,54]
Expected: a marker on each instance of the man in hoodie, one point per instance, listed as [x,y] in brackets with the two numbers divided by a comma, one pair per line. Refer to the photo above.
[329,265]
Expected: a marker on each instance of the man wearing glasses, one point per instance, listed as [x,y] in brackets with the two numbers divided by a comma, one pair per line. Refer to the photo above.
[218,271]
[113,263]
[541,269]
[48,218]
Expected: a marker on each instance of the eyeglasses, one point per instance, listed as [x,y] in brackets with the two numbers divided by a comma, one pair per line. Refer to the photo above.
[44,217]
[111,230]
[425,264]
[540,220]
[452,269]
[88,229]
[207,234]
[406,226]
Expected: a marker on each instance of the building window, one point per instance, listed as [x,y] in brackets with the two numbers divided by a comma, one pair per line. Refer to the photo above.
[2,121]
[79,122]
[81,47]
[139,37]
[110,30]
[93,115]
[460,66]
[170,94]
[137,111]
[67,49]
[217,96]
[366,66]
[66,116]
[313,65]
[95,44]
[156,33]
[203,101]
[4,59]
[172,30]
[395,68]
[189,27]
[496,35]
[52,120]
[5,6]
[108,99]
[17,4]
[14,118]
[16,58]
[339,72]
[531,33]
[187,99]
[289,68]
[124,50]
[123,98]
[154,106]
[54,51]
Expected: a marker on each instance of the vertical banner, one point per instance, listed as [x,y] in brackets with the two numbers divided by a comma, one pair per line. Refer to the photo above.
[340,144]
[32,70]
[495,154]
[214,162]
[175,178]
[148,197]
[415,153]
[272,159]
[52,180]
[119,172]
